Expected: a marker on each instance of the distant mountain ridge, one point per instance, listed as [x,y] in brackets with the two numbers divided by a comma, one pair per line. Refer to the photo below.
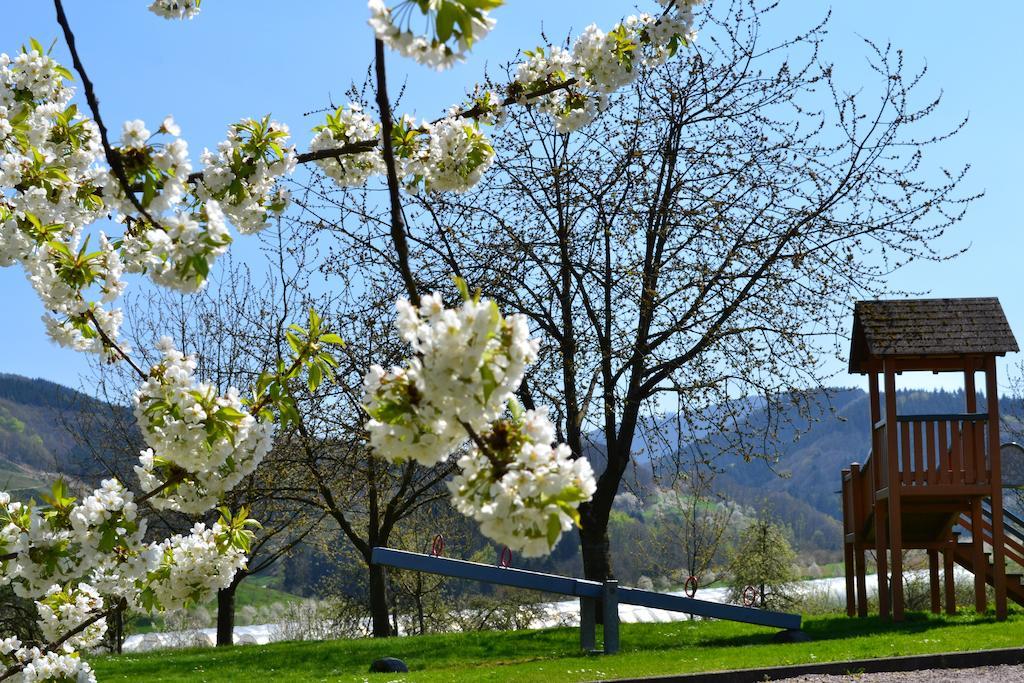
[801,488]
[37,421]
[37,418]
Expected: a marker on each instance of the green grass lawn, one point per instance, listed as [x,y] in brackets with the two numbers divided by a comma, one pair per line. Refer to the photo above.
[553,655]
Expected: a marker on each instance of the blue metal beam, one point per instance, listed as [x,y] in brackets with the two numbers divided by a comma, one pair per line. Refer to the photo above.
[704,608]
[564,585]
[488,573]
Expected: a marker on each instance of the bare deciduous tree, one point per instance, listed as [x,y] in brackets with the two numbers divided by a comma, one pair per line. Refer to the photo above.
[703,239]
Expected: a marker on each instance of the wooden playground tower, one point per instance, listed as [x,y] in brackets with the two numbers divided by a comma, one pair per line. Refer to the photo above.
[930,479]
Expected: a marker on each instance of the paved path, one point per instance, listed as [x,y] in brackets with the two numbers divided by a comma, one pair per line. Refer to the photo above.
[1000,674]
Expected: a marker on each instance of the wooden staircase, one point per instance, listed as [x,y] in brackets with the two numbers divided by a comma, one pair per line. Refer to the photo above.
[1013,550]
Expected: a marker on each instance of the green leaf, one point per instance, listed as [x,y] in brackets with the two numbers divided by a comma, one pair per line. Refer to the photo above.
[314,323]
[445,23]
[463,288]
[229,413]
[331,338]
[554,530]
[314,378]
[293,342]
[515,409]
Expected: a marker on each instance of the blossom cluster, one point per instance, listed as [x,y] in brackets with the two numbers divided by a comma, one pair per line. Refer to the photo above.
[175,9]
[75,559]
[192,567]
[243,174]
[468,361]
[201,444]
[467,364]
[61,541]
[449,155]
[63,611]
[522,490]
[601,63]
[348,125]
[462,25]
[49,185]
[40,665]
[54,185]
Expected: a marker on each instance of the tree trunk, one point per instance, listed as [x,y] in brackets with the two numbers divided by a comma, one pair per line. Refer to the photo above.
[595,546]
[379,602]
[594,515]
[226,612]
[118,629]
[419,603]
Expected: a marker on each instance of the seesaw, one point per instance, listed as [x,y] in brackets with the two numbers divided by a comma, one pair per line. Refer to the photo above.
[591,593]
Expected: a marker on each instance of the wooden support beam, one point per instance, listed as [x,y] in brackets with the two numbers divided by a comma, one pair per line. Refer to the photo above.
[982,490]
[996,481]
[948,576]
[895,518]
[933,581]
[924,363]
[588,624]
[862,581]
[881,565]
[610,606]
[859,515]
[978,559]
[875,399]
[849,526]
[851,585]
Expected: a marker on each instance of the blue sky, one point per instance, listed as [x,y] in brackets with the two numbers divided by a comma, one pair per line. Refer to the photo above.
[246,58]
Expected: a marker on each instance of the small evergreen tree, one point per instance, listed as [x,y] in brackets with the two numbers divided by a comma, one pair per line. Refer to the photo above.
[763,560]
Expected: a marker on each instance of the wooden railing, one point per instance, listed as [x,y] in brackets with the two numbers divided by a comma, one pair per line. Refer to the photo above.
[931,451]
[934,450]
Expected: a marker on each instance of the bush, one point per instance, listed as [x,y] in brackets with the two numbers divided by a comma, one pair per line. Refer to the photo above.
[764,560]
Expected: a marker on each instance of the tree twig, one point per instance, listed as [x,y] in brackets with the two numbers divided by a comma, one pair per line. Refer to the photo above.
[397,221]
[113,159]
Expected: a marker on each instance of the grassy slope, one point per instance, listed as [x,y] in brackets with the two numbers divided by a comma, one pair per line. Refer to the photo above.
[20,483]
[256,591]
[552,655]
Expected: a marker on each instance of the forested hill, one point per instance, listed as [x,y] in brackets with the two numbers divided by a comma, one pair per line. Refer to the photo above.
[38,420]
[44,429]
[805,479]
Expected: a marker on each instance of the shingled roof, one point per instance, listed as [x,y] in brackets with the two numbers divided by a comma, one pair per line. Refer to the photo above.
[928,327]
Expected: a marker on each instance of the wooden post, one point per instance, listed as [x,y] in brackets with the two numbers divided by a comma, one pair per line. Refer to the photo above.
[875,399]
[849,529]
[862,580]
[979,561]
[859,564]
[996,484]
[970,392]
[588,624]
[895,516]
[881,566]
[949,576]
[851,586]
[933,580]
[973,462]
[610,604]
